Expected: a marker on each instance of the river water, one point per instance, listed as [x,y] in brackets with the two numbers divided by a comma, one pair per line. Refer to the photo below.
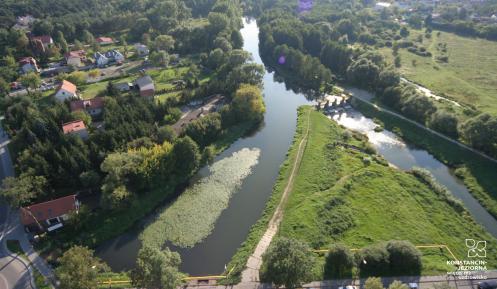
[273,139]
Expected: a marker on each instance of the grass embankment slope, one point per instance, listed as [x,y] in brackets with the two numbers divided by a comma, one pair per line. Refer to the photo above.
[341,196]
[469,76]
[479,174]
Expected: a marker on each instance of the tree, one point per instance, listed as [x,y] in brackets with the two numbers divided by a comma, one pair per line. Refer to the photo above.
[404,32]
[166,133]
[62,42]
[481,132]
[397,61]
[405,259]
[77,77]
[89,179]
[164,42]
[187,157]
[94,73]
[287,262]
[79,269]
[373,283]
[4,87]
[82,115]
[247,104]
[397,285]
[374,260]
[157,269]
[339,262]
[30,80]
[140,27]
[445,122]
[88,37]
[159,58]
[22,190]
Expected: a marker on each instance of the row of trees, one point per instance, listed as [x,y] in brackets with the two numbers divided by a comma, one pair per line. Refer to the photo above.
[290,262]
[282,39]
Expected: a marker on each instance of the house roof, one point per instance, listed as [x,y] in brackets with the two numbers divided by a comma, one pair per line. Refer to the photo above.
[68,86]
[104,39]
[48,210]
[27,60]
[94,103]
[45,39]
[73,126]
[145,83]
[77,53]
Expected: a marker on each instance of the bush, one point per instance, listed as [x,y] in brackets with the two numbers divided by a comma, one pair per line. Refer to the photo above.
[373,283]
[373,260]
[405,259]
[287,262]
[339,262]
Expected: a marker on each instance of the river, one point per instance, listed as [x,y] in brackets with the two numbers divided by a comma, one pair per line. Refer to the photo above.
[273,139]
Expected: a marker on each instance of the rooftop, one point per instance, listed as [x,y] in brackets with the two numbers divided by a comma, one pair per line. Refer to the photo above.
[68,86]
[47,210]
[73,126]
[97,102]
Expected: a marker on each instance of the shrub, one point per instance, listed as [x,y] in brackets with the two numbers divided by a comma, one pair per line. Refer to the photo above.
[339,262]
[405,259]
[374,260]
[373,283]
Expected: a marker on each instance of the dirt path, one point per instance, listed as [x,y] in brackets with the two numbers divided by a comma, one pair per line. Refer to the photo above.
[251,273]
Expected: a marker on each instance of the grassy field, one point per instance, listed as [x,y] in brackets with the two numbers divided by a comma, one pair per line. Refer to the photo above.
[469,76]
[377,202]
[479,174]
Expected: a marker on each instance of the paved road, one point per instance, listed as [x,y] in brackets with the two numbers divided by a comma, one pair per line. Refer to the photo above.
[13,272]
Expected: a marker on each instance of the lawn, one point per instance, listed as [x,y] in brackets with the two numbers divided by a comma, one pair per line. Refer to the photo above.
[378,203]
[469,77]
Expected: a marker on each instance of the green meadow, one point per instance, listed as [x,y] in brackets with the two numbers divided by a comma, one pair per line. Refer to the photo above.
[470,75]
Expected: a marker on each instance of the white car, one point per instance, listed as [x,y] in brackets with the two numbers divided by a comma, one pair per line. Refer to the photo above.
[347,287]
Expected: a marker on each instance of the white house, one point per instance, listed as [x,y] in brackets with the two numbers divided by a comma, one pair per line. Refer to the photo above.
[28,64]
[141,49]
[75,58]
[382,5]
[108,57]
[66,90]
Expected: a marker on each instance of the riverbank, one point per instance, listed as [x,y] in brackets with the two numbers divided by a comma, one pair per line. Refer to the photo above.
[89,229]
[341,193]
[478,174]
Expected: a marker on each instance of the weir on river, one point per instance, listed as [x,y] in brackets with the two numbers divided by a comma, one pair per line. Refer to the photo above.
[273,140]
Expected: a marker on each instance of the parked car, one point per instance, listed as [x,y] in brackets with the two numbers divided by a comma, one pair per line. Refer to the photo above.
[413,285]
[490,284]
[347,287]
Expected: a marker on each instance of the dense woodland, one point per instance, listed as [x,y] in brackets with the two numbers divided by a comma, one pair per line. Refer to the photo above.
[137,151]
[338,40]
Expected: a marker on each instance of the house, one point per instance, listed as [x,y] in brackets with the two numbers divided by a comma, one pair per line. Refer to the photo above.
[49,216]
[42,43]
[146,86]
[104,40]
[75,58]
[124,86]
[76,127]
[108,57]
[23,22]
[66,90]
[28,64]
[380,6]
[93,107]
[141,49]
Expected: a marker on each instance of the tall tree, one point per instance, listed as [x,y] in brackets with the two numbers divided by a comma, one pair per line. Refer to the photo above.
[287,262]
[157,269]
[79,269]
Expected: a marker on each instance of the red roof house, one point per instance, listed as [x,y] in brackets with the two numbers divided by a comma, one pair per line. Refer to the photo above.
[92,106]
[49,214]
[104,40]
[75,127]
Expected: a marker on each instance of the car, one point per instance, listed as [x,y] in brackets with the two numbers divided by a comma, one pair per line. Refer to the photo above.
[413,285]
[347,287]
[490,284]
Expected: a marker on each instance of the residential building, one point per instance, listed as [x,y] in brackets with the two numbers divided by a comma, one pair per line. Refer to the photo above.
[28,64]
[76,127]
[75,58]
[108,57]
[66,90]
[23,22]
[142,49]
[104,40]
[49,216]
[146,86]
[123,86]
[42,43]
[379,6]
[93,107]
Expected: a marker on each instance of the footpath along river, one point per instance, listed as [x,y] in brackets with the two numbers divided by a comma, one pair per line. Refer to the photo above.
[273,140]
